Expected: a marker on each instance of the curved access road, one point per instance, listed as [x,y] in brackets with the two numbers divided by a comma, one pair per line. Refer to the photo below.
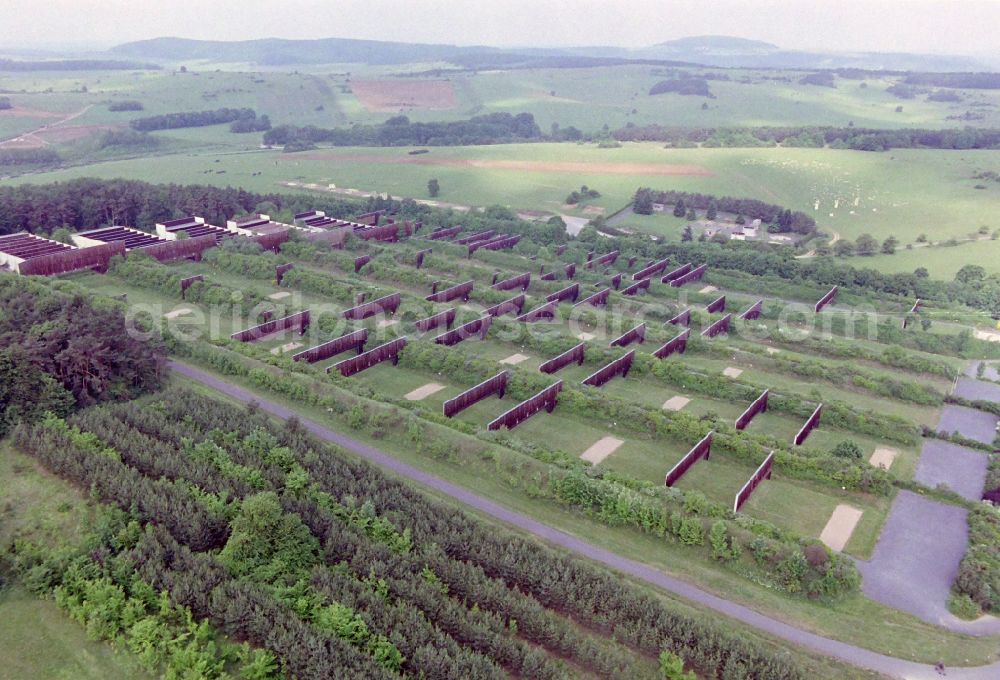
[847,653]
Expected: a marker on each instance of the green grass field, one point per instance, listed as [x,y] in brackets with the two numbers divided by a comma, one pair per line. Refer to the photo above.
[902,193]
[40,641]
[587,98]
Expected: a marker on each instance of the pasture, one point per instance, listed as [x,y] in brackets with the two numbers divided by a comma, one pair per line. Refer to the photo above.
[904,193]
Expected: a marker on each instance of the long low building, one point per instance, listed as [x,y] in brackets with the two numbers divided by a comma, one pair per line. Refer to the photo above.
[15,249]
[133,238]
[191,227]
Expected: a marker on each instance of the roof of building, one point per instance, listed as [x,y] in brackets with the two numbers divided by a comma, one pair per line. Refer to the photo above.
[27,246]
[133,238]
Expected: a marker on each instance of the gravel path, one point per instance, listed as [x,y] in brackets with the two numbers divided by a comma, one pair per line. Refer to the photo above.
[968,422]
[962,469]
[845,652]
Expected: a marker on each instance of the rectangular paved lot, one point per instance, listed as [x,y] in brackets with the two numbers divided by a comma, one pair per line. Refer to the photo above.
[962,469]
[917,557]
[970,388]
[968,422]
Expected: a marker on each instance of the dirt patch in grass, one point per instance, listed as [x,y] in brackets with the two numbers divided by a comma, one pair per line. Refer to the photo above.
[839,528]
[601,449]
[392,95]
[664,169]
[883,457]
[676,403]
[287,347]
[423,392]
[514,359]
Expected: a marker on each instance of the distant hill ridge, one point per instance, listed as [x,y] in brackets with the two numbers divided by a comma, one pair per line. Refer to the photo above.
[712,50]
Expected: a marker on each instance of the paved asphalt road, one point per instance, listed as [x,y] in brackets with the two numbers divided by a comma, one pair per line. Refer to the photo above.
[825,646]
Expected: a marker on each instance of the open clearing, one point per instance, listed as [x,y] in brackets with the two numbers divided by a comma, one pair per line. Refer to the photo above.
[41,641]
[394,95]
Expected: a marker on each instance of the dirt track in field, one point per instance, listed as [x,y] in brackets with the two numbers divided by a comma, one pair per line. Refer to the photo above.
[393,95]
[518,165]
[55,133]
[21,112]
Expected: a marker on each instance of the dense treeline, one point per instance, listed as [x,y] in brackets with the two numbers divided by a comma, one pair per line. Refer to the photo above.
[184,119]
[130,139]
[860,139]
[417,587]
[685,86]
[76,65]
[127,105]
[965,81]
[494,128]
[88,203]
[58,352]
[38,156]
[251,124]
[782,219]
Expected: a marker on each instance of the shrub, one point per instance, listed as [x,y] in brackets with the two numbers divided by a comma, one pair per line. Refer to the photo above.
[848,449]
[963,607]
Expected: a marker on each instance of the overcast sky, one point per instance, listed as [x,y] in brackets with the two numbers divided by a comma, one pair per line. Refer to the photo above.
[941,26]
